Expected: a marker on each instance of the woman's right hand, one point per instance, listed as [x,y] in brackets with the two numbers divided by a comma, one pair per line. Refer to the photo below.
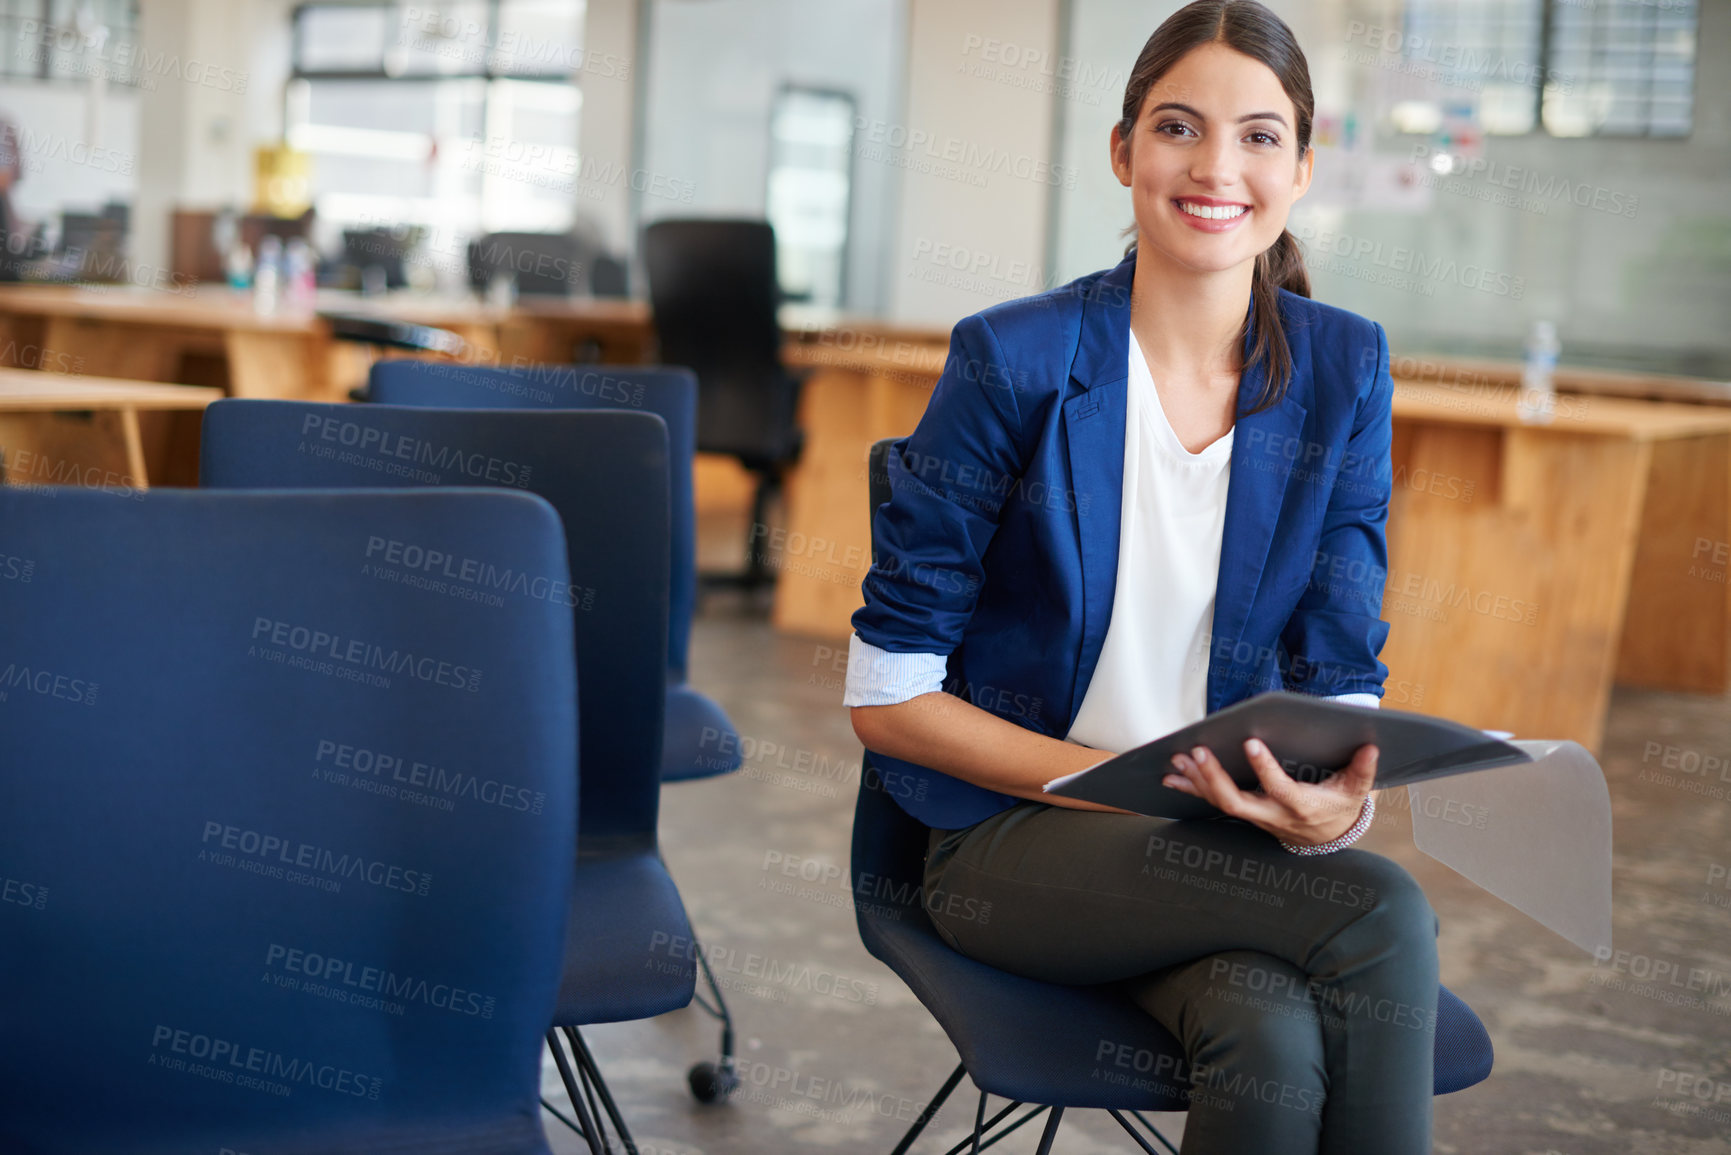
[1301,813]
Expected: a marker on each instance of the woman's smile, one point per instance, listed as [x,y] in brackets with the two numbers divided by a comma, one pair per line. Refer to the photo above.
[1211,215]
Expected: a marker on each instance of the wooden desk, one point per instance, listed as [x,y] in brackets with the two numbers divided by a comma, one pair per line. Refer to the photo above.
[56,430]
[1608,528]
[207,335]
[554,332]
[211,335]
[1529,565]
[1481,372]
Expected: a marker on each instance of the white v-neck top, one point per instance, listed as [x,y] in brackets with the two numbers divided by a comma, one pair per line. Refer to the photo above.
[1152,673]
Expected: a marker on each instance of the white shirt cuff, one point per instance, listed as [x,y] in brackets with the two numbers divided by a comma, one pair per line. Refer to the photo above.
[1370,700]
[879,678]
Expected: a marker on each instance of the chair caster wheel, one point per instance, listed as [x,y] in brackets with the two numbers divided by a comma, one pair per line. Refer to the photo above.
[712,1083]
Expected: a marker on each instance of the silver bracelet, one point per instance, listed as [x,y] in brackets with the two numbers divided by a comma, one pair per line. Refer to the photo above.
[1365,814]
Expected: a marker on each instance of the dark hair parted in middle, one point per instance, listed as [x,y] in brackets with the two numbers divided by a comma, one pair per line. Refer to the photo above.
[1251,29]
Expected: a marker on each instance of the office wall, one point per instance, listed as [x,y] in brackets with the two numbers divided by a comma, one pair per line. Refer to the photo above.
[975,156]
[209,89]
[608,122]
[180,135]
[713,68]
[1642,280]
[196,120]
[80,147]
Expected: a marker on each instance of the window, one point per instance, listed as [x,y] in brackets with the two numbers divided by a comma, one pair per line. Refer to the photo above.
[1630,66]
[70,40]
[461,118]
[1491,48]
[1609,67]
[810,181]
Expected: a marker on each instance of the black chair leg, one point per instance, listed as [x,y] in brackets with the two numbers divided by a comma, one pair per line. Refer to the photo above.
[1051,1131]
[930,1112]
[585,1122]
[594,1081]
[981,1137]
[1137,1135]
[756,571]
[984,1129]
[714,1082]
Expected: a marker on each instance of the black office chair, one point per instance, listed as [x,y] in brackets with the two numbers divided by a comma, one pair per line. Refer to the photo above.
[372,259]
[713,290]
[384,333]
[542,264]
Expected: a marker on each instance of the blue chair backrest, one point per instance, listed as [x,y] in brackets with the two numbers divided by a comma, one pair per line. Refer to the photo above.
[284,847]
[606,474]
[667,391]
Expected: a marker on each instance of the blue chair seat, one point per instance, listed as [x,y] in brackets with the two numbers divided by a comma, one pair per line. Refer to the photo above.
[1035,1042]
[1023,1039]
[628,943]
[699,741]
[1040,1042]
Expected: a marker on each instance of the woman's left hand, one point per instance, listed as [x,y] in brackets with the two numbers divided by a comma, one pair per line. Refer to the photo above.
[1301,813]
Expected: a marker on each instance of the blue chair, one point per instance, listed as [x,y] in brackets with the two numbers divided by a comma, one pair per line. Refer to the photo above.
[627,955]
[285,848]
[1034,1042]
[699,739]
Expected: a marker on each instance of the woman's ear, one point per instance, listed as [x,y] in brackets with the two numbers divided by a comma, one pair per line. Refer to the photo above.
[1120,157]
[1306,169]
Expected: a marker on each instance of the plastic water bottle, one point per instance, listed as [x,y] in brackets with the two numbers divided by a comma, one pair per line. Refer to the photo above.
[267,276]
[299,275]
[502,289]
[237,267]
[1538,400]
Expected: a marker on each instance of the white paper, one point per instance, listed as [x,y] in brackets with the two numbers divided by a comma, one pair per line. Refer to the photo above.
[1538,836]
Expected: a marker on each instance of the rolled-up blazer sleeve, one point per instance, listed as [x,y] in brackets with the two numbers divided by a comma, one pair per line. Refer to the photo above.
[1336,633]
[948,485]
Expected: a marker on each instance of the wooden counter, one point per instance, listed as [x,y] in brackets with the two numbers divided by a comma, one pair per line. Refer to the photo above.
[1533,565]
[58,430]
[212,335]
[205,335]
[1529,565]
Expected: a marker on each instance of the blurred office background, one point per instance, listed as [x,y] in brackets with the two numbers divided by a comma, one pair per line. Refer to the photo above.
[1486,169]
[1480,166]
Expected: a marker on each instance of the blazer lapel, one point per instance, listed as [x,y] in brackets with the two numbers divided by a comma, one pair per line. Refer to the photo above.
[1094,421]
[1094,427]
[1263,458]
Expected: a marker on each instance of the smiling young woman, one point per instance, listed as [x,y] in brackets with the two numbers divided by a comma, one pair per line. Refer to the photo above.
[1211,447]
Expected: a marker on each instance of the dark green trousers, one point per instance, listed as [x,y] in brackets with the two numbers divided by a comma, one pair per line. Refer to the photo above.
[1304,988]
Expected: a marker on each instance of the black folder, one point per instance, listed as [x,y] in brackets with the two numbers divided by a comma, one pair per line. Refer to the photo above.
[1312,737]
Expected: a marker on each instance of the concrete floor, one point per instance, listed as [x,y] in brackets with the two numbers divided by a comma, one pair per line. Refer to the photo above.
[1589,1060]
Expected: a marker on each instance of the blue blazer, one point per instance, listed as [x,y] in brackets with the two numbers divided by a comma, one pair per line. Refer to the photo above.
[999,546]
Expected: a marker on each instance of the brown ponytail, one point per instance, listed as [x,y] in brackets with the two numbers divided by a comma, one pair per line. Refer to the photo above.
[1247,27]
